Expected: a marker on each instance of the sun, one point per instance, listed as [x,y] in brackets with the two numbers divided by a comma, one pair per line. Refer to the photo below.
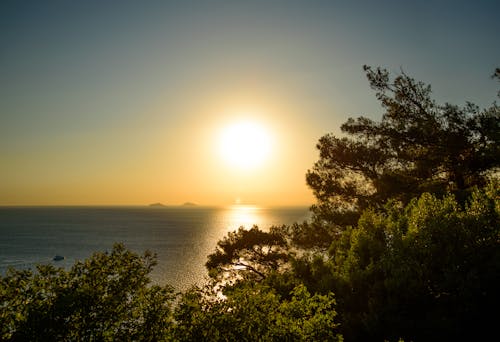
[245,144]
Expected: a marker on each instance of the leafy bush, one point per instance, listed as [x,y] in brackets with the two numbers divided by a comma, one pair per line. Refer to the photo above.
[426,271]
[254,312]
[106,298]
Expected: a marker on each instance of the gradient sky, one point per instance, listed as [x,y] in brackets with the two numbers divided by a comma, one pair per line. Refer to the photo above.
[117,102]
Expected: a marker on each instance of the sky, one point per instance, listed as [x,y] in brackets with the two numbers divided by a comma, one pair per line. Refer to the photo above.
[124,102]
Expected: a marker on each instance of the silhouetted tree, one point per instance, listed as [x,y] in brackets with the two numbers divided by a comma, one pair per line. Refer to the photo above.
[252,254]
[418,146]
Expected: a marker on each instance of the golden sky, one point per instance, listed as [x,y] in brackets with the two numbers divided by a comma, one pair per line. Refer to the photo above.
[107,104]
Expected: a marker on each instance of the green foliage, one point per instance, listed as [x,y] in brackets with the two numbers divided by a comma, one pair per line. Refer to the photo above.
[427,271]
[103,298]
[253,312]
[108,298]
[418,146]
[444,266]
[310,235]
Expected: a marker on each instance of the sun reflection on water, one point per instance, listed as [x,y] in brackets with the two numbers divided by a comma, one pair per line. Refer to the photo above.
[243,215]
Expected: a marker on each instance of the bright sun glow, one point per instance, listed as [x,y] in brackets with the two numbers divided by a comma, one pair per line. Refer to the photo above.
[245,144]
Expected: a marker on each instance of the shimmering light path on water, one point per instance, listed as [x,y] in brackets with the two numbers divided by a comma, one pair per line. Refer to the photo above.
[182,237]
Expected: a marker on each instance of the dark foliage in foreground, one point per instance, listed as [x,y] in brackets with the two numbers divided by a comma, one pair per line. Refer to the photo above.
[107,298]
[418,146]
[255,312]
[104,298]
[427,271]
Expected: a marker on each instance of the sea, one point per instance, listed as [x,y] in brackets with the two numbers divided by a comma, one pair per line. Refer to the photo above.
[182,237]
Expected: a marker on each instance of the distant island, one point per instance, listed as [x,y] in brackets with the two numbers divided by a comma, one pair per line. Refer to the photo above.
[157,205]
[161,205]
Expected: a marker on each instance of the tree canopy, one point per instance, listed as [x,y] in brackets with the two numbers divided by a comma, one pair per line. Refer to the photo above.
[255,312]
[426,271]
[252,254]
[108,298]
[418,146]
[104,298]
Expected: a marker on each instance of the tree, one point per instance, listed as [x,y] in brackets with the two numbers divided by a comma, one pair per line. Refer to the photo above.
[427,271]
[414,252]
[105,298]
[249,254]
[418,146]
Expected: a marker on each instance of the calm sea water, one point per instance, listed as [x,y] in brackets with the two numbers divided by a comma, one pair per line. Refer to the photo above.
[182,237]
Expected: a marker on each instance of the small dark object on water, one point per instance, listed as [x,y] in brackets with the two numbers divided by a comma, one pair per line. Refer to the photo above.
[58,258]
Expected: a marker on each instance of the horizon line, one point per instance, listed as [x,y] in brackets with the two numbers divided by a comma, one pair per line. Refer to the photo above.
[153,206]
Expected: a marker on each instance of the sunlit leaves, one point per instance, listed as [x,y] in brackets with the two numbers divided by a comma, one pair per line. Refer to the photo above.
[106,297]
[425,270]
[254,312]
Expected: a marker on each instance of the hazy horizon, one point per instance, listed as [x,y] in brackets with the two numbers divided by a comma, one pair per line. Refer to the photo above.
[214,102]
[166,205]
